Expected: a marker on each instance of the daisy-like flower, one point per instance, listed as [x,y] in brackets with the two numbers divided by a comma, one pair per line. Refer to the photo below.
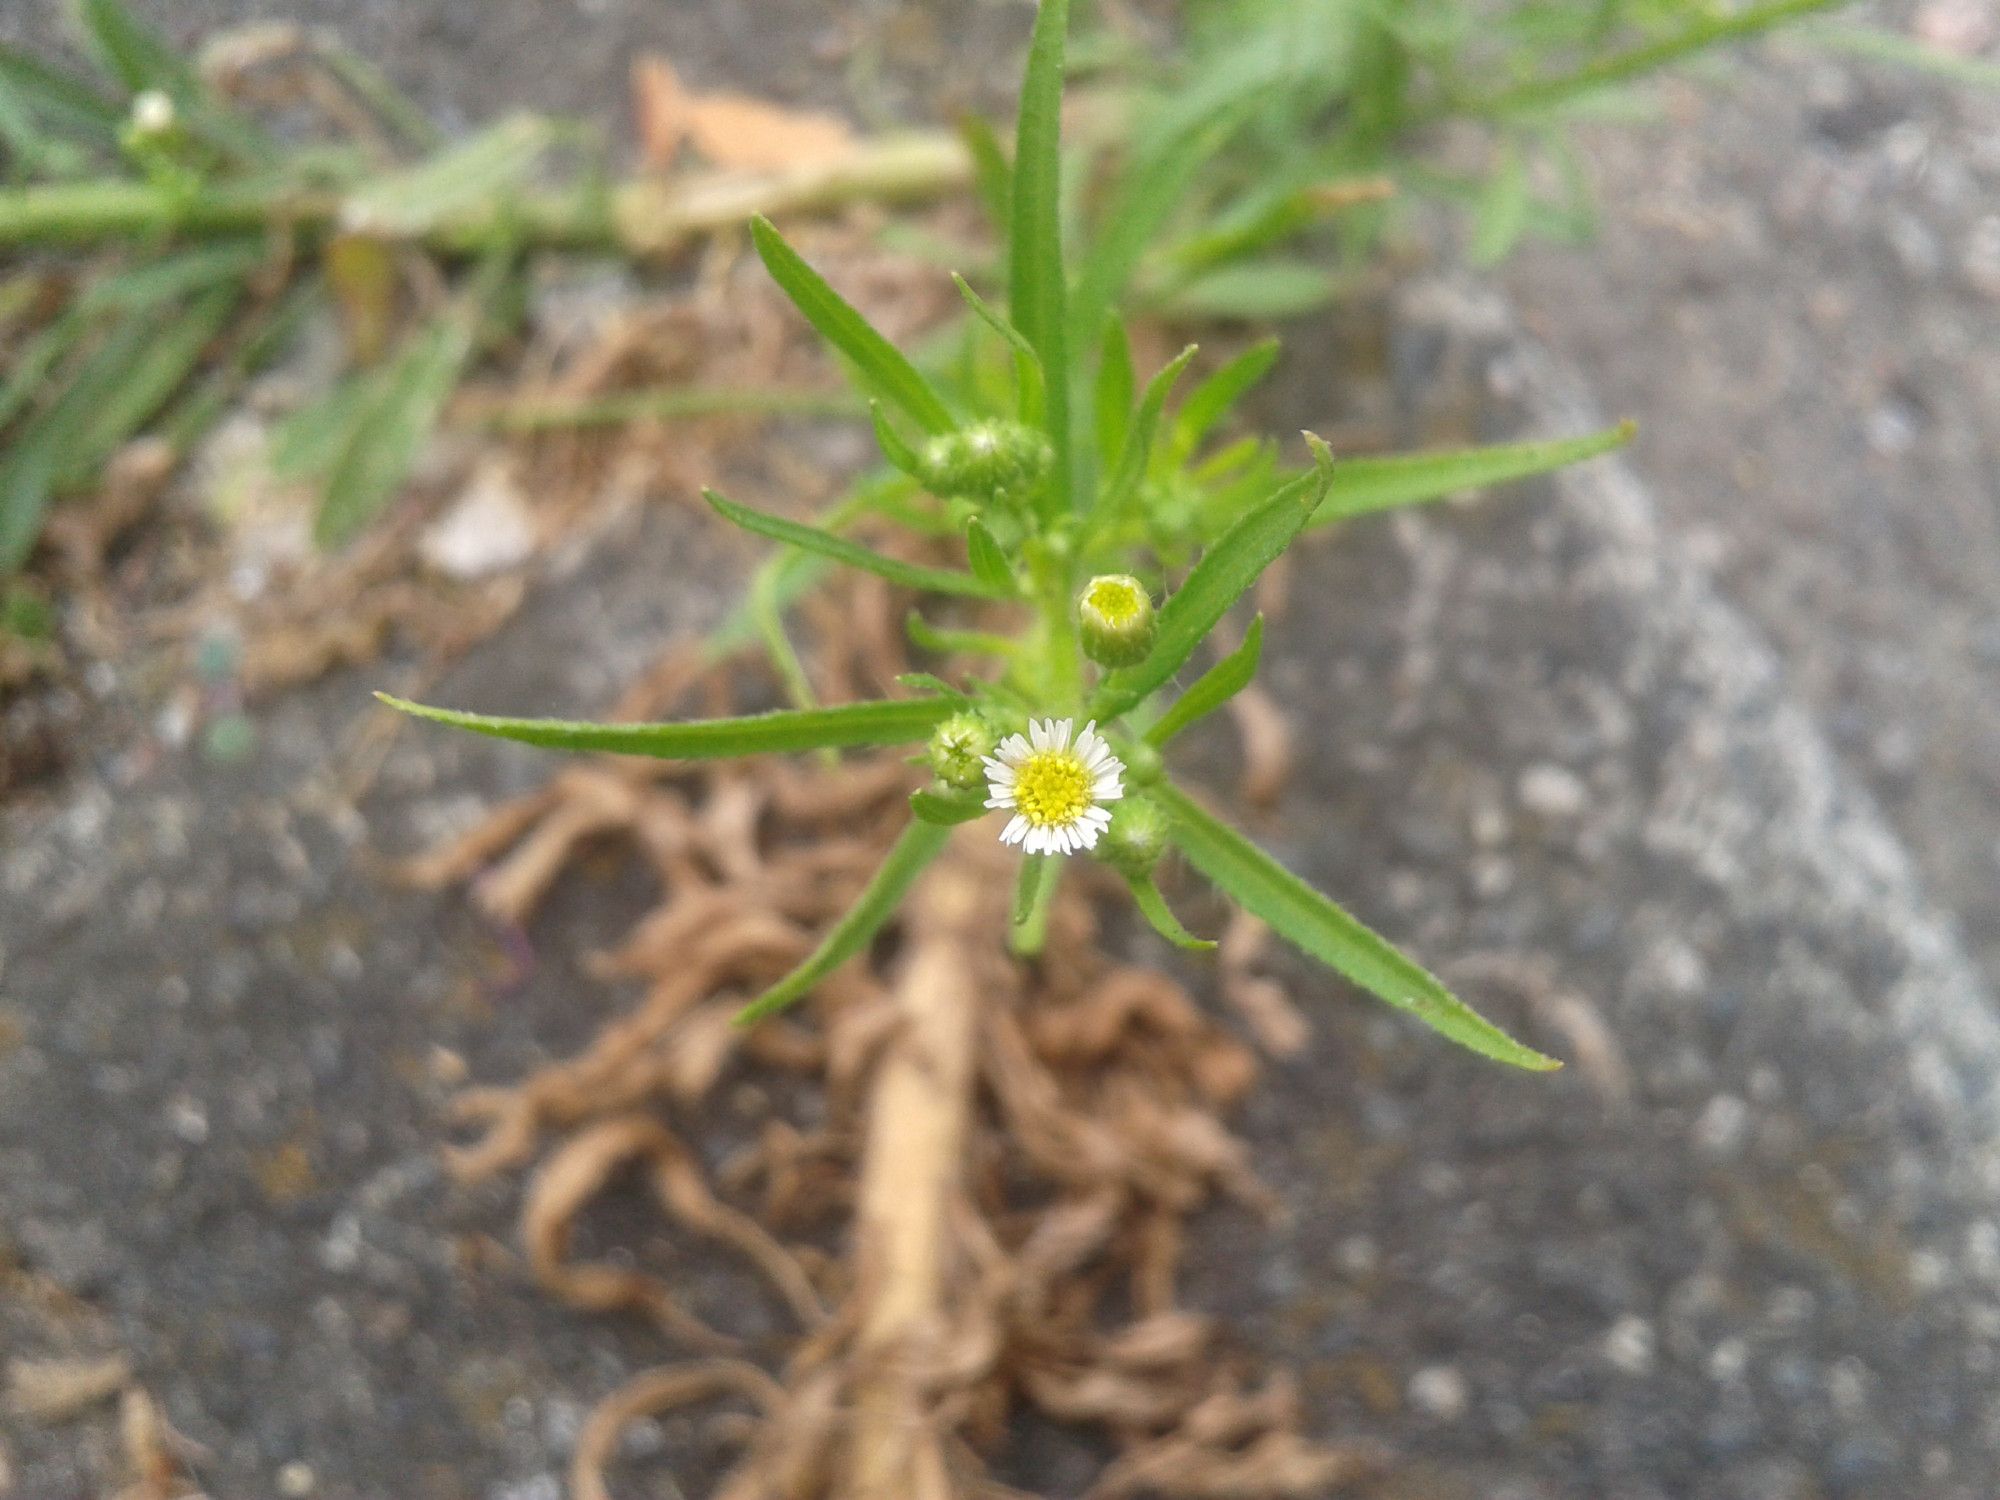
[1057,789]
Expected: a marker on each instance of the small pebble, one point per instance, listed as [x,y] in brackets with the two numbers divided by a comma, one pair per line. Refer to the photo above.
[1552,791]
[1440,1391]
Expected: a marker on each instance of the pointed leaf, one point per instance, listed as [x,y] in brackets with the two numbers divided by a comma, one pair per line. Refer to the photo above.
[841,550]
[1037,295]
[1312,923]
[1030,380]
[989,563]
[1362,485]
[1153,906]
[880,365]
[1034,894]
[889,721]
[929,637]
[1225,572]
[1208,403]
[920,843]
[899,453]
[947,809]
[1213,688]
[1138,446]
[64,102]
[992,174]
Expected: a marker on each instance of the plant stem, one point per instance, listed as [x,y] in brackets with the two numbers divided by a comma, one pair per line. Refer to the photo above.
[642,218]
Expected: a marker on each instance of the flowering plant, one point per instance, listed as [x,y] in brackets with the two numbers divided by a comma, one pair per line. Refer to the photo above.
[1114,530]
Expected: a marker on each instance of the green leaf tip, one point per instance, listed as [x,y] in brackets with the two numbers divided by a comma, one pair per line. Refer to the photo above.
[1315,925]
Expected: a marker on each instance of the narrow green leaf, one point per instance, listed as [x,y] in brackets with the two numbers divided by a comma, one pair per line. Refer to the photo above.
[1031,383]
[1037,294]
[989,563]
[1146,195]
[929,683]
[485,168]
[1505,206]
[1115,382]
[1363,485]
[64,102]
[37,359]
[1225,572]
[947,809]
[1209,402]
[882,369]
[1153,907]
[853,554]
[1138,446]
[1213,688]
[899,453]
[992,174]
[1708,30]
[1314,924]
[173,277]
[158,369]
[920,843]
[929,637]
[889,721]
[1266,290]
[1034,894]
[398,411]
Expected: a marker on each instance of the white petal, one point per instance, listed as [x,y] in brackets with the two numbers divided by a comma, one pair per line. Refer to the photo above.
[1087,836]
[1000,798]
[1015,831]
[1038,733]
[1061,736]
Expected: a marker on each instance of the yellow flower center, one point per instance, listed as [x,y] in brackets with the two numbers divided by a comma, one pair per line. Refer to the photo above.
[1115,601]
[1052,788]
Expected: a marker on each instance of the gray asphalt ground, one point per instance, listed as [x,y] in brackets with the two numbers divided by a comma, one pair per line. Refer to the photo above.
[1699,743]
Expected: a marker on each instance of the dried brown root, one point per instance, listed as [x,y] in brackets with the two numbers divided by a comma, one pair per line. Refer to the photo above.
[1018,1147]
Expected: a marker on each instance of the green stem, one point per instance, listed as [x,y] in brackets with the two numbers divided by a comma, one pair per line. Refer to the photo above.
[642,218]
[1034,895]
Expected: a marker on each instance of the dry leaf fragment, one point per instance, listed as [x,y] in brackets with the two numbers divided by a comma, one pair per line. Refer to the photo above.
[736,132]
[55,1390]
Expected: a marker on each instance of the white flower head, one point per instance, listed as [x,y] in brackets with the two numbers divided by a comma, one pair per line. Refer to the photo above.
[153,112]
[1056,789]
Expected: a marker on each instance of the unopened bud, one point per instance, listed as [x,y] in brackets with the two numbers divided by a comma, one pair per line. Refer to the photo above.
[1137,837]
[153,114]
[994,463]
[958,750]
[1116,617]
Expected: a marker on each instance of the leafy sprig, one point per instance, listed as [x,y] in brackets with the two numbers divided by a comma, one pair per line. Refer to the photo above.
[1077,516]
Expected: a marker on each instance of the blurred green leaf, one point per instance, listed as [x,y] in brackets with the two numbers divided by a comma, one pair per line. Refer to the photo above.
[1315,925]
[920,844]
[1266,290]
[1504,209]
[1137,449]
[1037,297]
[881,367]
[1208,403]
[477,172]
[948,809]
[992,174]
[1031,383]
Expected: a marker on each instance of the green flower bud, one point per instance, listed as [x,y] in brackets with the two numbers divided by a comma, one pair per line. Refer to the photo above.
[994,463]
[1143,765]
[1116,616]
[958,749]
[1137,837]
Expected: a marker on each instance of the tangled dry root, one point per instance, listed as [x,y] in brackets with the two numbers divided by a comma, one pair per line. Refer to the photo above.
[1019,1146]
